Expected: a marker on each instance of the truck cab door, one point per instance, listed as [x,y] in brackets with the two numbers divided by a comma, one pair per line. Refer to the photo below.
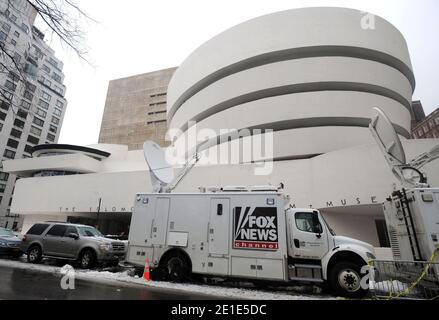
[308,236]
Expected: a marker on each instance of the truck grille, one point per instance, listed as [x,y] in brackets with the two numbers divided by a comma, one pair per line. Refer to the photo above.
[118,247]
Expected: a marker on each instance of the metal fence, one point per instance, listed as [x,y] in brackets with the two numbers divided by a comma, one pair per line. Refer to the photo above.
[405,279]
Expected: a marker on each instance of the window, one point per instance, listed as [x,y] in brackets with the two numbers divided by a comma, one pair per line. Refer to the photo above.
[59,104]
[57,112]
[57,230]
[9,154]
[31,87]
[46,68]
[4,176]
[50,137]
[13,76]
[25,28]
[22,114]
[41,113]
[17,34]
[219,209]
[37,229]
[16,133]
[71,229]
[38,121]
[43,104]
[53,62]
[13,17]
[25,104]
[308,222]
[6,27]
[59,90]
[3,36]
[10,85]
[35,131]
[13,42]
[2,187]
[383,235]
[55,120]
[12,143]
[53,129]
[4,105]
[28,148]
[7,95]
[28,95]
[45,81]
[2,115]
[46,96]
[56,77]
[19,123]
[33,139]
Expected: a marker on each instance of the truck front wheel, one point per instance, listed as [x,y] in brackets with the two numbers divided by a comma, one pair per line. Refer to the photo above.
[176,268]
[345,280]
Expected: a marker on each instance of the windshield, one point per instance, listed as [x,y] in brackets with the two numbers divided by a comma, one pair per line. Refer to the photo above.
[329,228]
[89,232]
[6,233]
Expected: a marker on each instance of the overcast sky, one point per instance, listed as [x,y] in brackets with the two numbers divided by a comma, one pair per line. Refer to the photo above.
[139,36]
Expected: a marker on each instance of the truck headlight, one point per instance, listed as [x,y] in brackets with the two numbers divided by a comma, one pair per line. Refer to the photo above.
[370,255]
[105,246]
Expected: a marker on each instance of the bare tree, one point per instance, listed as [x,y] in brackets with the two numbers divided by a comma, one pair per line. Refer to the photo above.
[65,21]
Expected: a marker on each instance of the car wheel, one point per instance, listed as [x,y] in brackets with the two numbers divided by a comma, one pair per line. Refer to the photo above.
[345,280]
[176,268]
[34,254]
[87,259]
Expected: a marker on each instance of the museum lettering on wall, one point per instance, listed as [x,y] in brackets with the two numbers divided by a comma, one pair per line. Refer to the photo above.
[342,203]
[96,209]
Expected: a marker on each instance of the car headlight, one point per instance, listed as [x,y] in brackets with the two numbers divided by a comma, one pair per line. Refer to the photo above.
[3,244]
[105,246]
[370,255]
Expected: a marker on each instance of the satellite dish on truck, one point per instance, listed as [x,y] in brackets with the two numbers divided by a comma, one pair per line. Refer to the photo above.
[388,141]
[161,172]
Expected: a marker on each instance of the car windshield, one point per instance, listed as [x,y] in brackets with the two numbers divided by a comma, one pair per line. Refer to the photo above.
[6,233]
[89,232]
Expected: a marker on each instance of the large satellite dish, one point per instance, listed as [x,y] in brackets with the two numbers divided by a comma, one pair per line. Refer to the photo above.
[387,138]
[161,171]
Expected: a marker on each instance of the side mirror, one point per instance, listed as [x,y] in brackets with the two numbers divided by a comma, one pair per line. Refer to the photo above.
[73,236]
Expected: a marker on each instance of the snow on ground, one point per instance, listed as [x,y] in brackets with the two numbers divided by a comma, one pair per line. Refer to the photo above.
[125,277]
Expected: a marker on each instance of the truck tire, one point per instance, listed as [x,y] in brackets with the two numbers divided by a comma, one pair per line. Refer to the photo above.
[176,268]
[345,279]
[87,259]
[34,254]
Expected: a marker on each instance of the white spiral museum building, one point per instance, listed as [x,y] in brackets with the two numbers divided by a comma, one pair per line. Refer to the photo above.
[311,75]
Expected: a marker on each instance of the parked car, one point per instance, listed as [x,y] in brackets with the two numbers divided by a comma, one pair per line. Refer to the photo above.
[82,243]
[9,243]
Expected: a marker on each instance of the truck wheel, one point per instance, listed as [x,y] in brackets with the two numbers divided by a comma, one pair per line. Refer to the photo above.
[345,279]
[87,259]
[34,254]
[176,268]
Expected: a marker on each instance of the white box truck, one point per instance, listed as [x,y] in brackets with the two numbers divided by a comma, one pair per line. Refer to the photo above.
[247,234]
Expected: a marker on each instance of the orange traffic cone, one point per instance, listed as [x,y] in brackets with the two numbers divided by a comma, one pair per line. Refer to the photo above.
[146,271]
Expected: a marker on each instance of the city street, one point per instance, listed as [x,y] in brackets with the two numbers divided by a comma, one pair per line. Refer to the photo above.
[31,284]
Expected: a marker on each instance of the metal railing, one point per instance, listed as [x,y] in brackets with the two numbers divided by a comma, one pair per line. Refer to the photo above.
[405,279]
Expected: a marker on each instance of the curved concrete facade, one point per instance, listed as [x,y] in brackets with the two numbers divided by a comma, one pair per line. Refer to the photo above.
[301,73]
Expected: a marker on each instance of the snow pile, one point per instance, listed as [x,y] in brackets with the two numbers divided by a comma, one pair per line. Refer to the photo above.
[125,277]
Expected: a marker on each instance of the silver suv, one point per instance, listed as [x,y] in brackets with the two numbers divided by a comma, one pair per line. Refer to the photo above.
[71,242]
